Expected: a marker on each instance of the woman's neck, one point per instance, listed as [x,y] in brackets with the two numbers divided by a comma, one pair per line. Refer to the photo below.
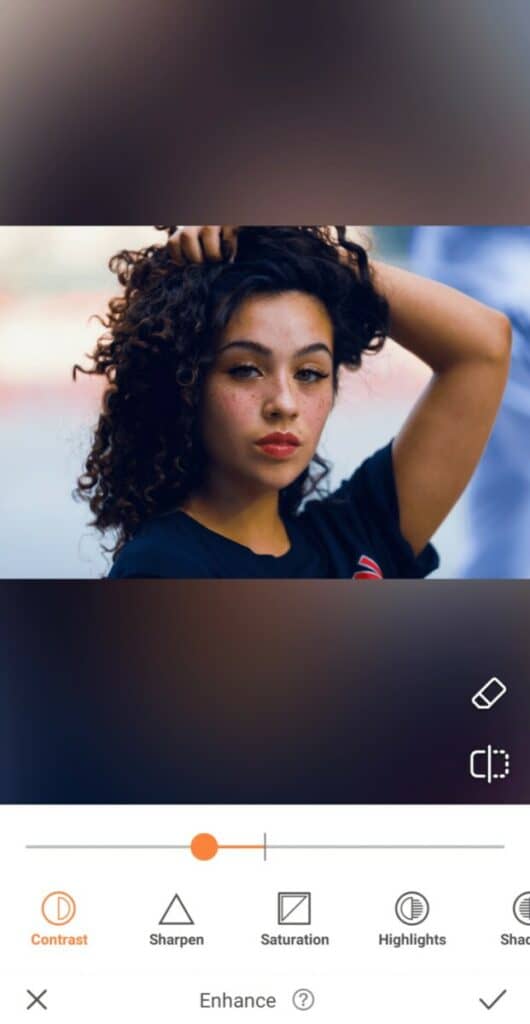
[251,520]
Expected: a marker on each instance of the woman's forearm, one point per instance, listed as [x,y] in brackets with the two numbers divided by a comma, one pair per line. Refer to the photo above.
[440,325]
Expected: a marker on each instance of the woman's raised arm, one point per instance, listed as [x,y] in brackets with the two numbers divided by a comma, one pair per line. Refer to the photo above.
[467,345]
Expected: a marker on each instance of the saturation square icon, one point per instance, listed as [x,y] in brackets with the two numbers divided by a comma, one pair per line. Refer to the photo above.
[294,908]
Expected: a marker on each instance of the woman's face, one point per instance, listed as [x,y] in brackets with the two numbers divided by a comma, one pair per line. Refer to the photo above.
[272,375]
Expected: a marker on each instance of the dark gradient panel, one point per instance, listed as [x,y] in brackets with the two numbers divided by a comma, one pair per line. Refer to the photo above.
[265,112]
[247,692]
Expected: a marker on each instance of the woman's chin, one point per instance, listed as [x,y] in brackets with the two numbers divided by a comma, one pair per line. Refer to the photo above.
[280,476]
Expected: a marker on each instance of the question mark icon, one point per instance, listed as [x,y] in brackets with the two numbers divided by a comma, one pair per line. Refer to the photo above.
[303,999]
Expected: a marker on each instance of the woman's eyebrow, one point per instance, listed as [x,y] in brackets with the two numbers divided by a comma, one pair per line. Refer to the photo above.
[256,346]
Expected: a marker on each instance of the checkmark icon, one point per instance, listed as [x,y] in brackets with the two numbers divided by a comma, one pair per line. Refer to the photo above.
[489,1006]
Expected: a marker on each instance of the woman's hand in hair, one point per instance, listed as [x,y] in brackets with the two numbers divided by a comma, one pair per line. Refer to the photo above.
[200,244]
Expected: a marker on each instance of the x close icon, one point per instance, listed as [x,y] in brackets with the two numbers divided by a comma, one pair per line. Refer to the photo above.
[36,1000]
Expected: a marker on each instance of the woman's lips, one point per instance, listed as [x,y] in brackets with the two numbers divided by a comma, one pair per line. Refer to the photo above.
[279,444]
[278,451]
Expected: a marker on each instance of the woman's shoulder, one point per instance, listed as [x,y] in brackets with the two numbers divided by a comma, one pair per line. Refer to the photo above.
[361,517]
[163,548]
[371,482]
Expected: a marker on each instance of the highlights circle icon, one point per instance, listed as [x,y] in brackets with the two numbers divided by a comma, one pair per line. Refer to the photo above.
[412,908]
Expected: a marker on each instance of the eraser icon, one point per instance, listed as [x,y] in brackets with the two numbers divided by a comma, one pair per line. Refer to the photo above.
[489,694]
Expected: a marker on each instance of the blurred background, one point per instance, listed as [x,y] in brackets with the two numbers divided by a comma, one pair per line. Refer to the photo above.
[261,112]
[54,279]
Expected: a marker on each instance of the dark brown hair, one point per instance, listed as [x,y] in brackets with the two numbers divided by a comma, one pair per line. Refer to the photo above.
[159,342]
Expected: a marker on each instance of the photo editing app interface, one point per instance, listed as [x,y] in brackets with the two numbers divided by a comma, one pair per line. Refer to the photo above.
[265,623]
[332,822]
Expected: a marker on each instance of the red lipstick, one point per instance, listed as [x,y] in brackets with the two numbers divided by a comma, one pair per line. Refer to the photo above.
[278,444]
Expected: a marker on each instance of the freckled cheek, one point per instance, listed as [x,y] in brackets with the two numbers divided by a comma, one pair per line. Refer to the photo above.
[317,411]
[231,412]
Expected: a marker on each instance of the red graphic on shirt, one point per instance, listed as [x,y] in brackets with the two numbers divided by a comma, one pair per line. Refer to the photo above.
[368,569]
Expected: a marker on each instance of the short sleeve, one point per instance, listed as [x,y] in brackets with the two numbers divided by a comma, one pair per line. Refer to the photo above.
[361,518]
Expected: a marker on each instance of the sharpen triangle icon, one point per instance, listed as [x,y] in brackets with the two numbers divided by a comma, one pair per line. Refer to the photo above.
[176,913]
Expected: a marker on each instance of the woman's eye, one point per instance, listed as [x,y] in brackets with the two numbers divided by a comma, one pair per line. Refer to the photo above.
[309,376]
[243,372]
[247,371]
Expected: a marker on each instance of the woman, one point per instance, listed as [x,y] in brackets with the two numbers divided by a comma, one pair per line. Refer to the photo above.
[222,359]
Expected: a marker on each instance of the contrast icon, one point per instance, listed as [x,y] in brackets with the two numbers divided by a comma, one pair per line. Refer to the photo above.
[489,694]
[303,999]
[412,908]
[294,908]
[58,908]
[176,913]
[521,908]
[489,763]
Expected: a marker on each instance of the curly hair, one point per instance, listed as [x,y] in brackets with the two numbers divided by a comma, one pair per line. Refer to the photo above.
[159,342]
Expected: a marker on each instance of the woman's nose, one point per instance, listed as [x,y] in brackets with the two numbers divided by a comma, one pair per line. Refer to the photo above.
[281,398]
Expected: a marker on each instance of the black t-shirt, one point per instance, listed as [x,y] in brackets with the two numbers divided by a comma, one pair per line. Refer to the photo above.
[352,533]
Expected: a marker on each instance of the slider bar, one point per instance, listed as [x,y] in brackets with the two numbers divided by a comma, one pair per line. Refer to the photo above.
[272,846]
